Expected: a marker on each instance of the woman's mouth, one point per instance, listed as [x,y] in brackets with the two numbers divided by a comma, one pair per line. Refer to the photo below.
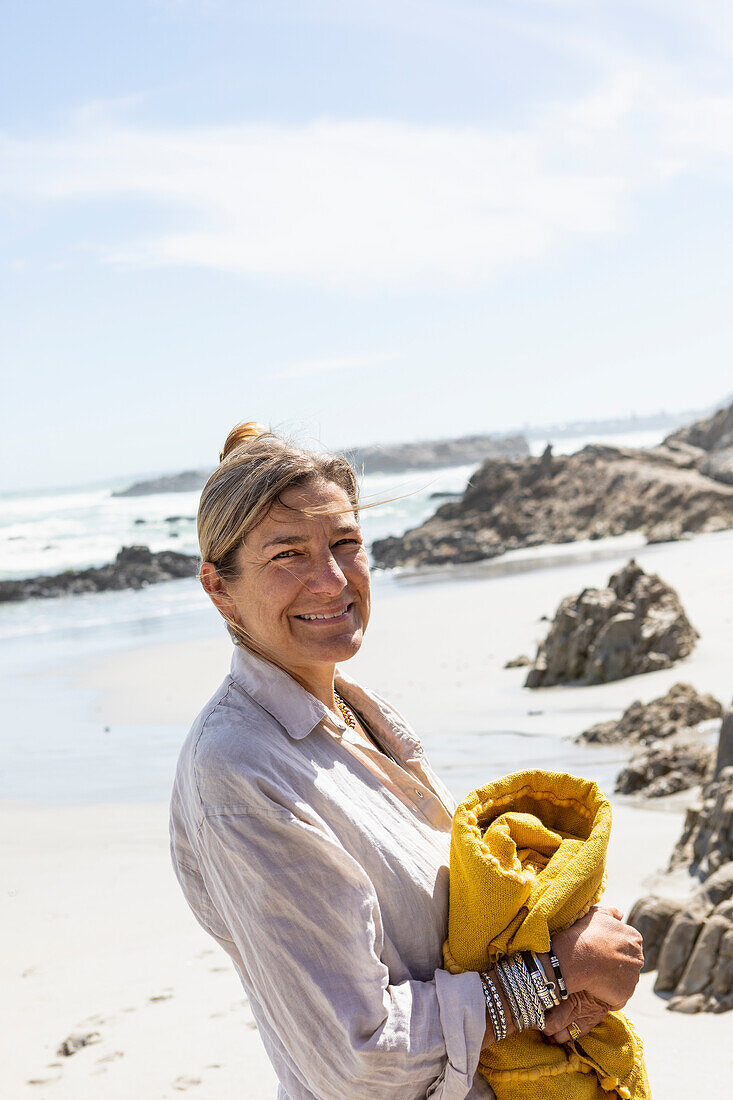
[337,615]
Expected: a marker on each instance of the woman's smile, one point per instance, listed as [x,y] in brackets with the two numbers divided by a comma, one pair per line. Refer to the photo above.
[319,617]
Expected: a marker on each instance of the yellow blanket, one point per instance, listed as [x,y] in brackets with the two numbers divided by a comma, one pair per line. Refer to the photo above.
[528,857]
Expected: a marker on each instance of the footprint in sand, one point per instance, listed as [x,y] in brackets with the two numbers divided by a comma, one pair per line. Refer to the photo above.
[159,997]
[183,1083]
[112,1056]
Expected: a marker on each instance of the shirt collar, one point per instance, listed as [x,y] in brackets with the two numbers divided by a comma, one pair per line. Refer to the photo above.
[299,712]
[277,693]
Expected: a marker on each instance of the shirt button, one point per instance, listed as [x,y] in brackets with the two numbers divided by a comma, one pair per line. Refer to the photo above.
[419,794]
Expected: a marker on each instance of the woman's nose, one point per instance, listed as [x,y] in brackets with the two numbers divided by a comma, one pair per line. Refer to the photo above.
[327,577]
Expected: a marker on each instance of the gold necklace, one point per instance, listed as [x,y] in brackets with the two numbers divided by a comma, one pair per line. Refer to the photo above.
[346,713]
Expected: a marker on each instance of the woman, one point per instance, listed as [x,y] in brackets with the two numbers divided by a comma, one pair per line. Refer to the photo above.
[309,833]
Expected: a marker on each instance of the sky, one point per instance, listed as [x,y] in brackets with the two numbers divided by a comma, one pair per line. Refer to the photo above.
[356,221]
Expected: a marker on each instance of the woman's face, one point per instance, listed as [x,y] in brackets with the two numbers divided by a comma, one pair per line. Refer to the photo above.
[302,590]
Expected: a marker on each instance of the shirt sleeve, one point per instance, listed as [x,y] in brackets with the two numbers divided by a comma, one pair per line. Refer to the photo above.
[306,922]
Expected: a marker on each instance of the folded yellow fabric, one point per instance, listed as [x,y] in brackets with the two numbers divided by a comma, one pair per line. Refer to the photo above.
[528,858]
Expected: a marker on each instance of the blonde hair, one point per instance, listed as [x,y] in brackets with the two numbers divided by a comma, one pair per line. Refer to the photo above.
[255,467]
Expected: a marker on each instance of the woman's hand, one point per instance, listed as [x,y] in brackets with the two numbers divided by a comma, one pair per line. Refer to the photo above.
[601,955]
[580,1008]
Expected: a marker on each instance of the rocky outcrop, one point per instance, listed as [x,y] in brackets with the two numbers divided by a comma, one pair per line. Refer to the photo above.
[134,567]
[690,944]
[707,838]
[712,433]
[645,723]
[690,941]
[636,624]
[675,765]
[599,492]
[709,442]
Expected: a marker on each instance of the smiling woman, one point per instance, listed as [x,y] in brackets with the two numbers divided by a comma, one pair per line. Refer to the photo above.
[309,833]
[299,591]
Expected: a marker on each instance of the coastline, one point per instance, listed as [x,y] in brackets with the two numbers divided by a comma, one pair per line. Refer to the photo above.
[98,937]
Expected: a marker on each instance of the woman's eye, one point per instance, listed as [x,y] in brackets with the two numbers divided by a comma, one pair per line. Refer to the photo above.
[342,541]
[284,554]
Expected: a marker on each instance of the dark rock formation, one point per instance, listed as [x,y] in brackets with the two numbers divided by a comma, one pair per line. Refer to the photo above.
[725,744]
[713,433]
[599,492]
[709,442]
[707,838]
[637,624]
[681,708]
[690,941]
[675,765]
[519,662]
[134,567]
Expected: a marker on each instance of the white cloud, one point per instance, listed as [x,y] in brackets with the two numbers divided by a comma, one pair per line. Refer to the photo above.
[362,204]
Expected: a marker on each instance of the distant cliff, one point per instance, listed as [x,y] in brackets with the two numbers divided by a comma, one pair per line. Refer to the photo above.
[377,459]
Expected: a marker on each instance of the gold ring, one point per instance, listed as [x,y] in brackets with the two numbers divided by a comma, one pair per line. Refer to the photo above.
[574,1030]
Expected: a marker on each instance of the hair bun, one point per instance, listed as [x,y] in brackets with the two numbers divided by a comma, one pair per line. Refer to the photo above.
[242,433]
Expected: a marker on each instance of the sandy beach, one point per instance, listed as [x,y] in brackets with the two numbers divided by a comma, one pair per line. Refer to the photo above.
[97,936]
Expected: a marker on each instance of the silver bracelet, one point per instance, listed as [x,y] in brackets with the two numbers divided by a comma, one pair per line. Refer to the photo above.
[500,1032]
[511,981]
[503,973]
[515,977]
[530,989]
[491,1009]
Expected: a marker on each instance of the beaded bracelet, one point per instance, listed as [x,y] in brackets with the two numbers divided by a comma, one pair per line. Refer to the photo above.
[555,962]
[495,1007]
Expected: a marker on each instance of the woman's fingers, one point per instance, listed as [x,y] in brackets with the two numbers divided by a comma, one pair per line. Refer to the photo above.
[612,911]
[580,1009]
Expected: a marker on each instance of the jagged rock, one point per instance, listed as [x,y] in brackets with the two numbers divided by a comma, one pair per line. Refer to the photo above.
[690,941]
[636,624]
[676,765]
[682,707]
[134,567]
[707,838]
[519,662]
[598,492]
[725,744]
[665,532]
[712,433]
[710,442]
[719,466]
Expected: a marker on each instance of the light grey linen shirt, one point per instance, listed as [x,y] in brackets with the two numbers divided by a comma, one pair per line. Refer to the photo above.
[324,875]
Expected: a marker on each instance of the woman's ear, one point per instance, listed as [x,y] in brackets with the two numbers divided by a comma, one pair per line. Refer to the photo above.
[216,591]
